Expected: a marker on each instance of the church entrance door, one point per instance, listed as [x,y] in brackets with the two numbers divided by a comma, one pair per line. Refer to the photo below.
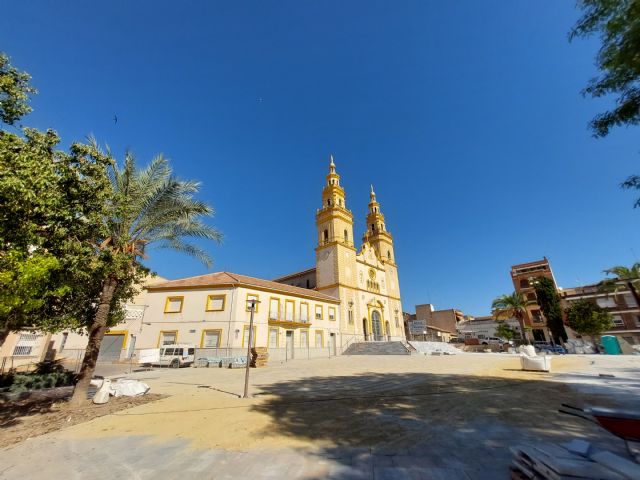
[376,326]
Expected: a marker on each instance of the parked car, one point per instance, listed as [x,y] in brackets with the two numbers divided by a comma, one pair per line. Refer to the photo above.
[176,356]
[456,340]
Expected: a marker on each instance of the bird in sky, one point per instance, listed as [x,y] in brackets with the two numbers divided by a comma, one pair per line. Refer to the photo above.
[115,119]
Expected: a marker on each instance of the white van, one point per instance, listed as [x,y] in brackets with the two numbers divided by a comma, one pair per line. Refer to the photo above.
[176,356]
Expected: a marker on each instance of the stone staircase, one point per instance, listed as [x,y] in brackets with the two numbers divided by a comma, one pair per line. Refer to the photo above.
[377,348]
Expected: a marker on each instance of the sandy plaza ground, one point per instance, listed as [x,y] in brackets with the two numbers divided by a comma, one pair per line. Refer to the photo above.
[343,417]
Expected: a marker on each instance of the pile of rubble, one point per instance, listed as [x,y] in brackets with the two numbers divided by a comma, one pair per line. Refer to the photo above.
[573,460]
[435,348]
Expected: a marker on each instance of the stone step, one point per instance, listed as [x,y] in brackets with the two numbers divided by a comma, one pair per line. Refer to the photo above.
[377,348]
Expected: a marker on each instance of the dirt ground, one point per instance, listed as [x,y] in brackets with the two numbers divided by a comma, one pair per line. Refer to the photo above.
[358,401]
[33,417]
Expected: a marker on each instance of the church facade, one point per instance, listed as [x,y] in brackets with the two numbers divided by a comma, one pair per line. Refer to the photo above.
[365,280]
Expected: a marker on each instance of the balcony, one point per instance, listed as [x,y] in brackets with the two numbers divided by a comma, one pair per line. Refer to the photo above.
[277,320]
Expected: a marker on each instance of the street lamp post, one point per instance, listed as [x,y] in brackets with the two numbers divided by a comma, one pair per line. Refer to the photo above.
[252,308]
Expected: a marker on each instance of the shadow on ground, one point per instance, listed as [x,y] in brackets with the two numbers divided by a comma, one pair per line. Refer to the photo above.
[464,424]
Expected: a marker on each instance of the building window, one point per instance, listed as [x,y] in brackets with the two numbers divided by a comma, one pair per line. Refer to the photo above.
[606,302]
[211,338]
[318,312]
[346,236]
[397,322]
[524,283]
[215,303]
[389,254]
[304,312]
[617,321]
[168,338]
[332,313]
[304,338]
[340,202]
[537,316]
[252,298]
[319,339]
[274,309]
[629,300]
[65,335]
[245,336]
[531,297]
[273,338]
[173,304]
[26,344]
[350,315]
[326,235]
[289,308]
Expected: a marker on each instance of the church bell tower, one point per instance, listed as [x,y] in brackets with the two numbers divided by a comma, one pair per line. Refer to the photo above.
[335,253]
[377,235]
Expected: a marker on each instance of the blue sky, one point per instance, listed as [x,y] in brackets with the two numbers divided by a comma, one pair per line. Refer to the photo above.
[466,116]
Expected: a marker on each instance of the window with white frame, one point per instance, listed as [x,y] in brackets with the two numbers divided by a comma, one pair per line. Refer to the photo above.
[332,313]
[304,312]
[319,339]
[318,312]
[617,321]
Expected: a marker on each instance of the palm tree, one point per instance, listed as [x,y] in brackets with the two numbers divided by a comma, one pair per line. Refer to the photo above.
[511,306]
[149,207]
[624,276]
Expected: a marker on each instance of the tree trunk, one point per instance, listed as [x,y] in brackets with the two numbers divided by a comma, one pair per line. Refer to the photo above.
[4,333]
[522,330]
[633,290]
[96,334]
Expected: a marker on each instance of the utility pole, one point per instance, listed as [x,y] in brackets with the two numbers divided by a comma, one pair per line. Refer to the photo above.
[252,308]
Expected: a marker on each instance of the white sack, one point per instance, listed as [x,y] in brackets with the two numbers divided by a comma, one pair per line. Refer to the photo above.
[102,395]
[537,364]
[129,388]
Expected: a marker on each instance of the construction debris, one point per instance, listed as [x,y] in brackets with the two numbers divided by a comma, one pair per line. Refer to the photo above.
[555,462]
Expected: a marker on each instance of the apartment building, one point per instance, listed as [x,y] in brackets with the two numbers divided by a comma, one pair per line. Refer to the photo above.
[622,305]
[522,276]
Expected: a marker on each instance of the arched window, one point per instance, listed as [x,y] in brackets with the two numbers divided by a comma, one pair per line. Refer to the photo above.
[346,236]
[326,235]
[328,202]
[373,227]
[389,254]
[340,201]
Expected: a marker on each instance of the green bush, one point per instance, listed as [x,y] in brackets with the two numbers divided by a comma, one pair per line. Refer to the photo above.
[22,382]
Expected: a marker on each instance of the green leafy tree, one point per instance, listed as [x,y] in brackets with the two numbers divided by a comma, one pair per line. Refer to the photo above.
[587,318]
[617,24]
[14,92]
[504,330]
[549,301]
[50,209]
[148,207]
[511,306]
[624,278]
